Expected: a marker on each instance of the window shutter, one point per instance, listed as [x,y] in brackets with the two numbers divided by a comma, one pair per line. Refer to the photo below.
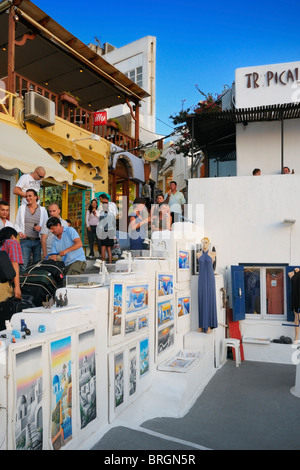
[238,292]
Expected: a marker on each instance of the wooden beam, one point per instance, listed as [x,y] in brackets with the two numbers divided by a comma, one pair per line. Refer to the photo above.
[11,51]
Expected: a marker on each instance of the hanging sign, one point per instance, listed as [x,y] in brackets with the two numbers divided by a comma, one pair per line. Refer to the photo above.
[152,154]
[100,118]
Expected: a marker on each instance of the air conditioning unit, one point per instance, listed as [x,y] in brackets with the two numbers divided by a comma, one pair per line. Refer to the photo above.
[39,109]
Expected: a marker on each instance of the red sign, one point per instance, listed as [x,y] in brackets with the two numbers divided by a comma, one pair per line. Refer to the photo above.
[100,118]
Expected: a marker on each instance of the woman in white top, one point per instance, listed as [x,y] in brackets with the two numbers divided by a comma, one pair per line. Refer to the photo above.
[92,220]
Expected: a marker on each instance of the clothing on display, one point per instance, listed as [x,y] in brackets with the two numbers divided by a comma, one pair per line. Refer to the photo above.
[252,291]
[275,293]
[207,304]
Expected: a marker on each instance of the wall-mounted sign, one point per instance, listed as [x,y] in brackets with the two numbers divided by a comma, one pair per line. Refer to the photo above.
[152,154]
[100,118]
[267,85]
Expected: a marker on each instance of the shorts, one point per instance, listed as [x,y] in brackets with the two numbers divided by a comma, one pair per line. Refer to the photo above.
[78,267]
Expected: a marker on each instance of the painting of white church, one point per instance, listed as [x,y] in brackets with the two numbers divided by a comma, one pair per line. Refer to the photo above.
[87,377]
[29,411]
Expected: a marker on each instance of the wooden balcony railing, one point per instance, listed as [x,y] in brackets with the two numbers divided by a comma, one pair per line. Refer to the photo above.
[6,102]
[75,114]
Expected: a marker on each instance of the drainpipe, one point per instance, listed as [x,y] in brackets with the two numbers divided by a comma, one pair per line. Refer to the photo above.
[282,142]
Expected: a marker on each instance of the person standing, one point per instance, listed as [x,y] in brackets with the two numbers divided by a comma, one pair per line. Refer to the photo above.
[46,235]
[68,244]
[4,213]
[29,221]
[147,194]
[106,229]
[91,221]
[112,206]
[138,225]
[31,180]
[176,201]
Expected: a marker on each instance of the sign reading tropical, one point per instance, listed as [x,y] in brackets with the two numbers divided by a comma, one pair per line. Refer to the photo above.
[152,154]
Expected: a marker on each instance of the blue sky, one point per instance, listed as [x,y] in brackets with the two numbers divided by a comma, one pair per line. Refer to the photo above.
[197,42]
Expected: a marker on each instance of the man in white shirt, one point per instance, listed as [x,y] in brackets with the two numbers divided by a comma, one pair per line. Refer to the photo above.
[46,234]
[176,201]
[31,180]
[4,213]
[29,221]
[112,207]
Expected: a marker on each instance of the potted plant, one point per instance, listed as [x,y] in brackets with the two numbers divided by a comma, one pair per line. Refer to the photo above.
[67,97]
[114,124]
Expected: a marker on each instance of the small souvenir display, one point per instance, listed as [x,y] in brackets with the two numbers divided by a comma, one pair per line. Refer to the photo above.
[129,312]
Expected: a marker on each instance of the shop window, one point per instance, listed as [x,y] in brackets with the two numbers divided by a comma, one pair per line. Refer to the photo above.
[264,291]
[261,292]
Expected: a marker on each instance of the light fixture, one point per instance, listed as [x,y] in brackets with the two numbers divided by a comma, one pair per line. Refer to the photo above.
[97,177]
[92,137]
[289,221]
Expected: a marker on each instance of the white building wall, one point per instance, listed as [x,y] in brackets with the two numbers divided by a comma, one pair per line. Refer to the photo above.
[259,146]
[140,53]
[243,218]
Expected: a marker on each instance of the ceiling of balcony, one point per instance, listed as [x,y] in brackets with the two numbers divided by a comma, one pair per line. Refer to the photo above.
[58,61]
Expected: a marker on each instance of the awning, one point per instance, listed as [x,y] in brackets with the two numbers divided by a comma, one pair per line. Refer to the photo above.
[136,164]
[18,150]
[58,144]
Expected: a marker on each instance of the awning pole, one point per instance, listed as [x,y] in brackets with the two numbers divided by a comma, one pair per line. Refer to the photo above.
[282,142]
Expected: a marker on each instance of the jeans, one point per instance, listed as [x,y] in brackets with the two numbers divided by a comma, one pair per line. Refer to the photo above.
[92,237]
[30,248]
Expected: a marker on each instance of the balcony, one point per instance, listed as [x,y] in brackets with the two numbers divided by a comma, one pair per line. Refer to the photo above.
[70,111]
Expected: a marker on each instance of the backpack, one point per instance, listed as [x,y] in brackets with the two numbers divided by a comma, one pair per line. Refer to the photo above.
[7,271]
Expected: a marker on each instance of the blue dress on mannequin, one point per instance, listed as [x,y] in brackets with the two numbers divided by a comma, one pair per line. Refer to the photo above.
[207,304]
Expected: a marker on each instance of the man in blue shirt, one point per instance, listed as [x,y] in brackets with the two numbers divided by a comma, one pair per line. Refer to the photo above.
[67,243]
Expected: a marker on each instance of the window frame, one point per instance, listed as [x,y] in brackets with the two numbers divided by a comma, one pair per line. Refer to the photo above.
[263,315]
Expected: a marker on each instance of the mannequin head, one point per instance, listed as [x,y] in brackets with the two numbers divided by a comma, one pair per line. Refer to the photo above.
[205,243]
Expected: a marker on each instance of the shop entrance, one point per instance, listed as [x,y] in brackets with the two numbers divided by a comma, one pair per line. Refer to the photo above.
[4,190]
[123,191]
[79,200]
[74,205]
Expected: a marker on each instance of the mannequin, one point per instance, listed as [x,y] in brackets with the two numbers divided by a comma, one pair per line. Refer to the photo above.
[295,301]
[207,305]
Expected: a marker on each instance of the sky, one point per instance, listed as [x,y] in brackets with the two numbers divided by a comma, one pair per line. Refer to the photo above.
[197,43]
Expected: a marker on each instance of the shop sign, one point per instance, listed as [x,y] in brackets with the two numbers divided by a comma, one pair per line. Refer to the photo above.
[152,154]
[100,118]
[267,85]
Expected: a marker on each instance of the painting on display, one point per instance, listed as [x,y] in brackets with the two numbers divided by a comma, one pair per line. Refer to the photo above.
[183,259]
[87,377]
[136,298]
[165,338]
[117,309]
[165,312]
[61,374]
[165,285]
[144,356]
[183,305]
[143,322]
[119,379]
[184,264]
[132,371]
[183,361]
[29,394]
